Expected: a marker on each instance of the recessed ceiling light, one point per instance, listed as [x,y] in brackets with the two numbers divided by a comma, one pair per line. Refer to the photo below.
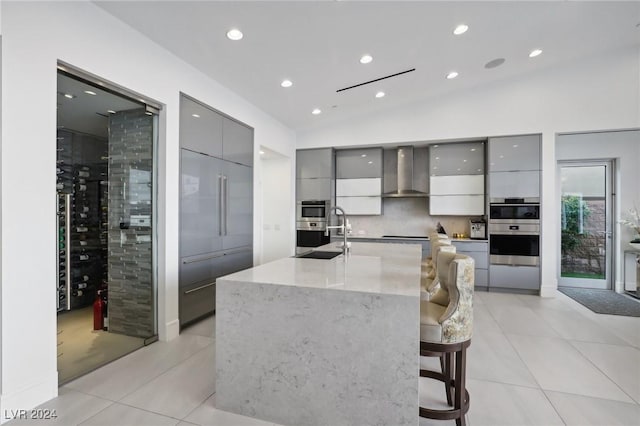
[286,83]
[148,113]
[461,29]
[380,95]
[69,95]
[435,146]
[437,158]
[366,59]
[234,34]
[195,115]
[110,111]
[502,156]
[535,52]
[479,170]
[89,92]
[316,111]
[459,169]
[494,63]
[370,162]
[464,161]
[363,155]
[261,152]
[515,145]
[451,75]
[473,149]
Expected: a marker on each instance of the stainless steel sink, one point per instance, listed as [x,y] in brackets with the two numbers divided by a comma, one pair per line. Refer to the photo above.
[320,254]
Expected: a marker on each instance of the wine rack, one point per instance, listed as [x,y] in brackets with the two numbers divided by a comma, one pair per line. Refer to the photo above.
[64,267]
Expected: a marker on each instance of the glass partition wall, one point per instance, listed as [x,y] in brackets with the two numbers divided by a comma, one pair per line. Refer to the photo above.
[106,292]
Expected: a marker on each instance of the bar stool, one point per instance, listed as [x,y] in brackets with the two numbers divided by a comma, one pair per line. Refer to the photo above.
[433,237]
[429,279]
[445,331]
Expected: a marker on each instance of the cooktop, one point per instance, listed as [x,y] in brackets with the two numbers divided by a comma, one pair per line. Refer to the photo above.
[405,236]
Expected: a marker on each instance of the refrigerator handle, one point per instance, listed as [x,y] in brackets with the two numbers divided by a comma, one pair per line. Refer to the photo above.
[226,202]
[220,204]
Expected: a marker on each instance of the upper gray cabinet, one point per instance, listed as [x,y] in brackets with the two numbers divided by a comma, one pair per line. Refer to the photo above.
[237,145]
[314,163]
[514,153]
[454,159]
[359,163]
[206,131]
[314,174]
[200,128]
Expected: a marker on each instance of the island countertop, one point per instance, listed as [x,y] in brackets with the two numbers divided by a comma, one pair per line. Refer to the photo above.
[369,268]
[316,342]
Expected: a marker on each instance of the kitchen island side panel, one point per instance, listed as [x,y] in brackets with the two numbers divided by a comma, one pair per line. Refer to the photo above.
[307,356]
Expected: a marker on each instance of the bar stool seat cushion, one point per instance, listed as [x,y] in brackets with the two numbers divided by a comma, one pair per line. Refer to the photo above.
[430,327]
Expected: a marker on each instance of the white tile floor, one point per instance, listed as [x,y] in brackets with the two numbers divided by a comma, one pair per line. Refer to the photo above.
[532,361]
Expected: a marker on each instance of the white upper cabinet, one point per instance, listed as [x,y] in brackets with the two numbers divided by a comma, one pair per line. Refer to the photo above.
[525,184]
[358,187]
[514,153]
[359,163]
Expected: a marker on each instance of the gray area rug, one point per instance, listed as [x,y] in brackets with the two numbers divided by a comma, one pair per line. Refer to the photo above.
[604,301]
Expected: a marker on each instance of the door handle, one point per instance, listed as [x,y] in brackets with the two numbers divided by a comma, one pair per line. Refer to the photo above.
[220,199]
[226,202]
[202,287]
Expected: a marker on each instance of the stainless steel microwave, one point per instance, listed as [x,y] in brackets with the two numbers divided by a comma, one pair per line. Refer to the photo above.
[313,211]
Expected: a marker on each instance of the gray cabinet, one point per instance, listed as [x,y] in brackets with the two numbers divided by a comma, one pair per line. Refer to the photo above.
[479,251]
[216,228]
[452,159]
[314,163]
[515,277]
[359,163]
[314,174]
[524,184]
[456,182]
[237,142]
[200,128]
[514,153]
[204,130]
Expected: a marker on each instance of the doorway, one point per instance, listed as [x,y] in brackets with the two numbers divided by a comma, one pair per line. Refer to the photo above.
[277,222]
[586,219]
[105,187]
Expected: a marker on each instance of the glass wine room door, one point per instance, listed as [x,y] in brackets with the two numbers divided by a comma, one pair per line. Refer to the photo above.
[586,224]
[106,294]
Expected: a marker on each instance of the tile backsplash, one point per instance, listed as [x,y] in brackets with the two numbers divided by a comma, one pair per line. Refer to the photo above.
[405,216]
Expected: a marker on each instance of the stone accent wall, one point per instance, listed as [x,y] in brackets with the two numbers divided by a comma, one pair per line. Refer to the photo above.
[131,304]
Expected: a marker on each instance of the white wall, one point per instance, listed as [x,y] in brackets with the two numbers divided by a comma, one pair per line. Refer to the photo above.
[595,93]
[277,216]
[34,37]
[624,147]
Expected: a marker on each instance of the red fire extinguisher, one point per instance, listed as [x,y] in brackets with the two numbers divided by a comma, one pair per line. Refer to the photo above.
[98,306]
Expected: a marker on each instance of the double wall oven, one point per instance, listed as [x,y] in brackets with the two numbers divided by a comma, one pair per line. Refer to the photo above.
[514,232]
[311,224]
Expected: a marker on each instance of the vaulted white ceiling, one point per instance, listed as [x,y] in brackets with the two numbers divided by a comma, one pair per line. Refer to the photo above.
[318,44]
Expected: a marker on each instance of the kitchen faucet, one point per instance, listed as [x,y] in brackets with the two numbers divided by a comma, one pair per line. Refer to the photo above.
[344,227]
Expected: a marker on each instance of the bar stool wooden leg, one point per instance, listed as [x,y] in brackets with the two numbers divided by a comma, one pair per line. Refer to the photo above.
[460,386]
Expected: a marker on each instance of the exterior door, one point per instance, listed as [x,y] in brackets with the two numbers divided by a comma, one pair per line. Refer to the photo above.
[586,224]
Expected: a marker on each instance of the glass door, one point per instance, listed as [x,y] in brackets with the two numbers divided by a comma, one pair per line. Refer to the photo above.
[586,224]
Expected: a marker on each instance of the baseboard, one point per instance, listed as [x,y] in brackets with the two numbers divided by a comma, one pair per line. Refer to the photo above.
[16,405]
[548,291]
[171,331]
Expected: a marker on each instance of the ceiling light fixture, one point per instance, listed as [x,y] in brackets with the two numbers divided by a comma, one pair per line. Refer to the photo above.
[316,111]
[234,34]
[535,52]
[380,95]
[494,63]
[366,59]
[286,83]
[69,95]
[370,162]
[363,155]
[195,115]
[461,29]
[110,111]
[261,152]
[452,75]
[89,92]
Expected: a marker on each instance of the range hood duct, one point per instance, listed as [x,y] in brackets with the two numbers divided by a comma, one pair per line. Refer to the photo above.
[405,175]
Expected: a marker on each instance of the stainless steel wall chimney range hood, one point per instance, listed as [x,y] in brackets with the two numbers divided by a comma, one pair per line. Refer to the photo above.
[405,175]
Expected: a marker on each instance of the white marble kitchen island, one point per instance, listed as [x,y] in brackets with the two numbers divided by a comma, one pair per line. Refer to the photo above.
[322,342]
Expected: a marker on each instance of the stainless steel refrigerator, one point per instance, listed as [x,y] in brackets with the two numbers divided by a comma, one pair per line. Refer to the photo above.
[216,228]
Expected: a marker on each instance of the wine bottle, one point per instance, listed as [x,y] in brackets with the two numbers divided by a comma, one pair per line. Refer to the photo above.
[83,257]
[82,173]
[77,293]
